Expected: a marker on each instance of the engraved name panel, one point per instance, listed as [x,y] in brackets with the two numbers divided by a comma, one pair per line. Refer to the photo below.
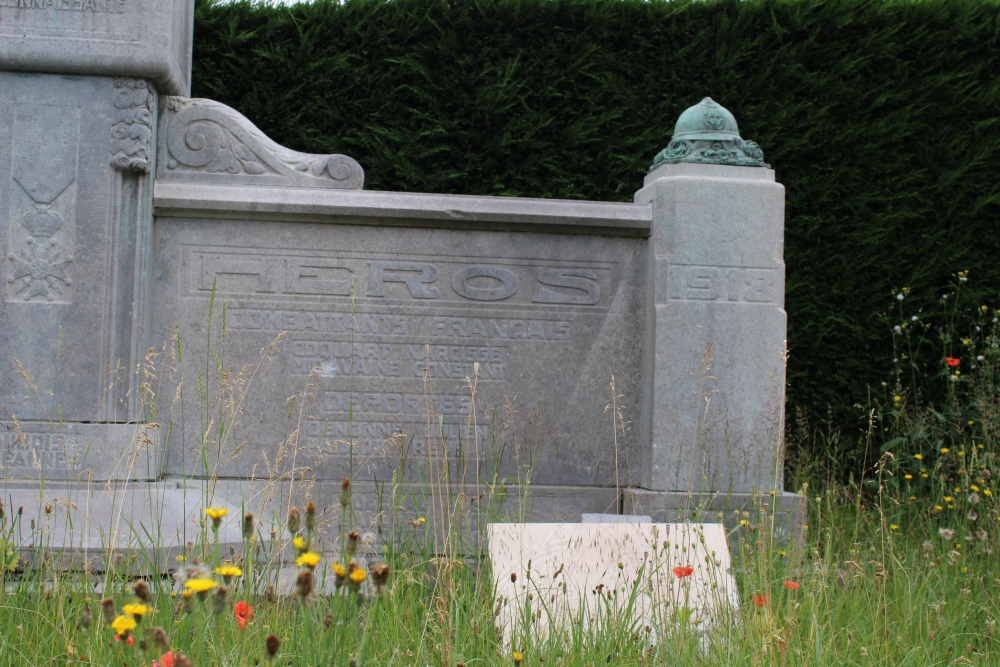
[429,341]
[104,19]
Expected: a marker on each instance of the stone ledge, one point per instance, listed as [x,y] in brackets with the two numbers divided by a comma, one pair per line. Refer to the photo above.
[175,199]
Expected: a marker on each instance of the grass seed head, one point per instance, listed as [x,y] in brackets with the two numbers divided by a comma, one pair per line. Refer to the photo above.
[272,644]
[345,492]
[159,637]
[310,516]
[141,590]
[304,583]
[353,541]
[108,610]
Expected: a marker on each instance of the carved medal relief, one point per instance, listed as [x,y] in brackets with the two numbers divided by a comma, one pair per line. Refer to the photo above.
[42,206]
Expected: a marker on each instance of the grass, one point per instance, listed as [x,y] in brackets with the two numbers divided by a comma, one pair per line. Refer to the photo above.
[897,567]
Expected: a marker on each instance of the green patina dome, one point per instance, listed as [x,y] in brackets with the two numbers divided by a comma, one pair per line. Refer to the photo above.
[707,134]
[707,120]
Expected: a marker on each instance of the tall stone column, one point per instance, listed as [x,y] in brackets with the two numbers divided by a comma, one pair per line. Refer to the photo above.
[715,367]
[79,87]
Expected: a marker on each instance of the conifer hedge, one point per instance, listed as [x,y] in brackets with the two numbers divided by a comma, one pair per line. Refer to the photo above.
[881,118]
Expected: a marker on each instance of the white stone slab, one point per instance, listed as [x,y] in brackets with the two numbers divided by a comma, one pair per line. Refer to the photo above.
[555,574]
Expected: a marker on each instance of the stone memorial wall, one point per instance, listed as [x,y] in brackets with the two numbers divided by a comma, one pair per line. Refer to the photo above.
[185,299]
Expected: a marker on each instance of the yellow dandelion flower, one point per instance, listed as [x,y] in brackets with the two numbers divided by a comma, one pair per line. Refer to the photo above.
[122,625]
[517,657]
[897,398]
[229,571]
[308,559]
[907,476]
[422,520]
[300,543]
[958,489]
[216,513]
[135,609]
[938,508]
[948,499]
[743,522]
[893,527]
[961,452]
[987,493]
[944,450]
[924,475]
[918,457]
[974,488]
[339,570]
[358,575]
[200,585]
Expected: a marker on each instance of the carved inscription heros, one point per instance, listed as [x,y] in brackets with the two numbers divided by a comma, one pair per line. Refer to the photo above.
[370,329]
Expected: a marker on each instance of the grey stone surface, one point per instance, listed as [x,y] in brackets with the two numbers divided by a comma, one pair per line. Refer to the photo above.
[149,39]
[716,365]
[205,142]
[38,451]
[75,233]
[349,349]
[142,527]
[277,328]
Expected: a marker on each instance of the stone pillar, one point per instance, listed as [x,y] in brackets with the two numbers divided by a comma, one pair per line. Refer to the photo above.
[79,87]
[715,375]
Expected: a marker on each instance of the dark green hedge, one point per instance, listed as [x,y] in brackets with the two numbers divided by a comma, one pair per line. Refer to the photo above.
[882,120]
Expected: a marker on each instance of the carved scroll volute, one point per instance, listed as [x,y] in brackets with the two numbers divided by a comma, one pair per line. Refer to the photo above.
[206,137]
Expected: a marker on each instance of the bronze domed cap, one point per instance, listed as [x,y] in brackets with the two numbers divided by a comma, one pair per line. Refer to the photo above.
[707,134]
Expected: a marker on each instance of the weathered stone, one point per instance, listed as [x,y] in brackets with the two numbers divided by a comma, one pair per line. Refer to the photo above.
[148,39]
[717,364]
[387,340]
[291,327]
[75,233]
[83,525]
[619,575]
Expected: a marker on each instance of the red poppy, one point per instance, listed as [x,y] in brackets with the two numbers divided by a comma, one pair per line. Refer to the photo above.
[952,361]
[683,571]
[792,585]
[167,660]
[759,600]
[244,613]
[130,640]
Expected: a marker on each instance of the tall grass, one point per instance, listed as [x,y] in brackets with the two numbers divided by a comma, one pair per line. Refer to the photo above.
[897,568]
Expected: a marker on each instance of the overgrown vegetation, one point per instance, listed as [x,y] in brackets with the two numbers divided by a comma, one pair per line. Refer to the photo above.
[897,567]
[879,117]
